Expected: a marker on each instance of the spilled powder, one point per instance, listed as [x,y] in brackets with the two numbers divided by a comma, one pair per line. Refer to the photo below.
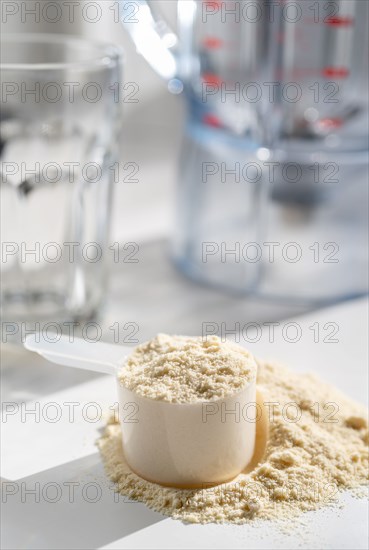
[317,447]
[181,369]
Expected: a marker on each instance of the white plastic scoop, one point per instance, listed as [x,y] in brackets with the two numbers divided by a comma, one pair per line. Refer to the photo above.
[186,445]
[97,357]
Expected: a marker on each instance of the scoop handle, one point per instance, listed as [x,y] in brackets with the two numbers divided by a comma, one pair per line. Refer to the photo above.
[77,353]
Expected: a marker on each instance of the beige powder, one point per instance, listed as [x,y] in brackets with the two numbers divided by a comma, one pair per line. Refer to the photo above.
[181,369]
[318,445]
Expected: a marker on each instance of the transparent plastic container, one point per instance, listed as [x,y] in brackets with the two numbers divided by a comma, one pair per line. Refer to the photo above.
[284,85]
[247,223]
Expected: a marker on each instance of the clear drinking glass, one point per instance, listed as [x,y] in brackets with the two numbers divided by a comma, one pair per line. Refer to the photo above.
[60,118]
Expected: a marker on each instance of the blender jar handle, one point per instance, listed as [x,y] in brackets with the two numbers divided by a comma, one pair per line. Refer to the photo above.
[152,36]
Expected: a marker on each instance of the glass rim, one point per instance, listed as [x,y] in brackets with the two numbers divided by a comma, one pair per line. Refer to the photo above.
[107,54]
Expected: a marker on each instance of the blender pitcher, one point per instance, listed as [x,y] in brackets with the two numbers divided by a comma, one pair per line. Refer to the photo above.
[277,97]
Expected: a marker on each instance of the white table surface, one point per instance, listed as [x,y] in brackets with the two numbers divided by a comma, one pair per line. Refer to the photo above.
[47,457]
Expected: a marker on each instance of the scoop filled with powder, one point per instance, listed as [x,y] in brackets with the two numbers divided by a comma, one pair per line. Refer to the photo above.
[189,398]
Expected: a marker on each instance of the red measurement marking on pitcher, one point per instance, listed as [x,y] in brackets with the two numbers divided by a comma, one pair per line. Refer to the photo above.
[330,123]
[212,42]
[339,21]
[335,72]
[213,3]
[211,78]
[212,120]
